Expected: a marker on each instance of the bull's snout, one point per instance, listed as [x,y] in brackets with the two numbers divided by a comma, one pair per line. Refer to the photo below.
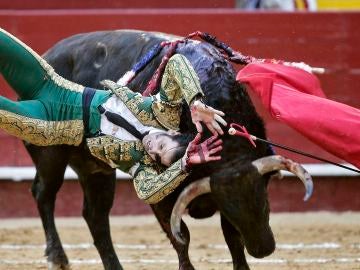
[262,248]
[264,251]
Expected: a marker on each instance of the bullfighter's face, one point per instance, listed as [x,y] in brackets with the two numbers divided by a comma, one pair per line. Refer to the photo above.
[161,146]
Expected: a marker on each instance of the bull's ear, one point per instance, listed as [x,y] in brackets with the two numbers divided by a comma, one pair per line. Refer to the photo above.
[100,55]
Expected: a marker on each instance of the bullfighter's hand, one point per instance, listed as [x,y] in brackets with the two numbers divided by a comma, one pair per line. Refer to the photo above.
[198,153]
[209,116]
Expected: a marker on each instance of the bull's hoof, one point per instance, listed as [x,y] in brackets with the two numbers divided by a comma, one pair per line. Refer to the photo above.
[55,266]
[186,266]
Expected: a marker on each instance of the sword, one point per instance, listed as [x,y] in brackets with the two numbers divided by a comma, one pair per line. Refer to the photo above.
[242,132]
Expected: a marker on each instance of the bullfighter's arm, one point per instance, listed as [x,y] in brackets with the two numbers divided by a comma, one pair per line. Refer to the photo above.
[152,186]
[179,82]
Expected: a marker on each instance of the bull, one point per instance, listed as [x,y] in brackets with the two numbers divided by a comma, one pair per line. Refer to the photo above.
[236,185]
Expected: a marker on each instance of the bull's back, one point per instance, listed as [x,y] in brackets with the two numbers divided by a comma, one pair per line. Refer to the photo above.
[91,57]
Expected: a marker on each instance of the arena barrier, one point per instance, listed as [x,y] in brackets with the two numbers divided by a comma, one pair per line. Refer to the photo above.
[326,40]
[111,4]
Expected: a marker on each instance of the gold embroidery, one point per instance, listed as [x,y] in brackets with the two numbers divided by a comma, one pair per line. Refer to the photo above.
[62,81]
[168,115]
[126,151]
[152,187]
[145,117]
[180,80]
[133,104]
[114,151]
[49,69]
[147,159]
[96,148]
[41,132]
[113,86]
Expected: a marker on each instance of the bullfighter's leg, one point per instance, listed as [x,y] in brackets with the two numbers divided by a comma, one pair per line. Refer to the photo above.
[162,211]
[27,72]
[23,119]
[21,66]
[29,120]
[49,111]
[99,191]
[234,242]
[48,180]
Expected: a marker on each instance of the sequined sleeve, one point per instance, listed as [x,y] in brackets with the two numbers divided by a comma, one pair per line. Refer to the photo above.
[180,81]
[152,185]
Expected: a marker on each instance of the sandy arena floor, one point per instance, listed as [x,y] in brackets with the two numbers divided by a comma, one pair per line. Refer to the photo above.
[304,241]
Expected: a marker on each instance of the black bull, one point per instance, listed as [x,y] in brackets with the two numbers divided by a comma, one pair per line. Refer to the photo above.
[238,191]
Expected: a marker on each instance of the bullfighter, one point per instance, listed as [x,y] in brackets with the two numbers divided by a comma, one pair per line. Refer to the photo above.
[52,111]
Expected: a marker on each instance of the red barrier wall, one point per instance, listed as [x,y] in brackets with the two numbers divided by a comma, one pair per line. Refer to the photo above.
[320,39]
[335,194]
[96,4]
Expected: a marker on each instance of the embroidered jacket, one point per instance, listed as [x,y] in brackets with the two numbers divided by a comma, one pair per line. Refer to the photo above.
[152,181]
[51,112]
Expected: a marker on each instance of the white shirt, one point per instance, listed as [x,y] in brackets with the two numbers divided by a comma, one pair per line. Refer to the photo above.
[115,105]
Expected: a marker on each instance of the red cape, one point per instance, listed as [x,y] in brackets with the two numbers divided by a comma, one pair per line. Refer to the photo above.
[295,97]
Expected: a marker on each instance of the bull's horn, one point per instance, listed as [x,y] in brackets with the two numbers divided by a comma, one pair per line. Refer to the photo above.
[193,190]
[274,163]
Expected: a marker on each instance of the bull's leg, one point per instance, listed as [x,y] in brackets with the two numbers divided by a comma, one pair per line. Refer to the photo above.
[99,191]
[234,242]
[162,211]
[50,164]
